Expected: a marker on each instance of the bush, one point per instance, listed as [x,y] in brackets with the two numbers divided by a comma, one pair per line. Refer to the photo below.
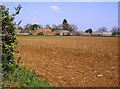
[9,41]
[30,33]
[57,34]
[40,33]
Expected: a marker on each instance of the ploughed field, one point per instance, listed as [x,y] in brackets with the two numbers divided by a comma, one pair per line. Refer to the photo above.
[72,61]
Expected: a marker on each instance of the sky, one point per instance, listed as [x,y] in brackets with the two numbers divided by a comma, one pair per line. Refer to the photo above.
[60,0]
[83,14]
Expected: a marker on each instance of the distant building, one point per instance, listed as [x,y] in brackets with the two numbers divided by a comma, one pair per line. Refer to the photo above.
[61,32]
[22,32]
[80,32]
[43,30]
[107,33]
[50,33]
[102,33]
[87,34]
[97,33]
[83,33]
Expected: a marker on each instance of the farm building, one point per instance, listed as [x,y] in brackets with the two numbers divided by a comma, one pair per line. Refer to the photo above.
[18,31]
[97,33]
[43,30]
[50,33]
[83,33]
[22,32]
[62,32]
[102,33]
[107,33]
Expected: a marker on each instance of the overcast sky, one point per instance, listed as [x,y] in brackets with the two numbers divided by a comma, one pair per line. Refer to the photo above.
[83,14]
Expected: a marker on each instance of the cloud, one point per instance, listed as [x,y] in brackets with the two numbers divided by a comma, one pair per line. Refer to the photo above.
[54,7]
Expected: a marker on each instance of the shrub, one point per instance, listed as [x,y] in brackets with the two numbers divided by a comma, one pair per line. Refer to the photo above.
[57,34]
[30,33]
[8,38]
[9,42]
[40,33]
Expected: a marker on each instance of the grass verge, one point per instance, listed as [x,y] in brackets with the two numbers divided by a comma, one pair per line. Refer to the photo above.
[21,77]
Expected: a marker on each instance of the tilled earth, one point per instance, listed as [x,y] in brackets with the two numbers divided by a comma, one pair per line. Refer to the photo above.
[72,61]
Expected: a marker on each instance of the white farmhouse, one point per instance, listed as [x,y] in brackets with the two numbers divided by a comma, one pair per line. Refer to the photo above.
[97,33]
[102,33]
[107,33]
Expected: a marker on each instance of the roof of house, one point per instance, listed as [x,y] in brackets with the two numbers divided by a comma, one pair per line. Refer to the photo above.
[52,33]
[43,30]
[24,31]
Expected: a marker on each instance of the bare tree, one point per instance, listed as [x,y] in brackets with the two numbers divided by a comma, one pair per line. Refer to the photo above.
[103,29]
[73,27]
[54,27]
[60,26]
[27,27]
[47,26]
[115,31]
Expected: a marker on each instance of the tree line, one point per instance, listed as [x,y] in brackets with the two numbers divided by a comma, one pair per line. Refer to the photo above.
[64,26]
[69,27]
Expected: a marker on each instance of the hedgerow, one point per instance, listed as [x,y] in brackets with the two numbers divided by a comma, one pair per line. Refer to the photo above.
[14,74]
[9,41]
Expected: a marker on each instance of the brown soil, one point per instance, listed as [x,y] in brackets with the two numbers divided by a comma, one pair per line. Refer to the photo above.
[72,61]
